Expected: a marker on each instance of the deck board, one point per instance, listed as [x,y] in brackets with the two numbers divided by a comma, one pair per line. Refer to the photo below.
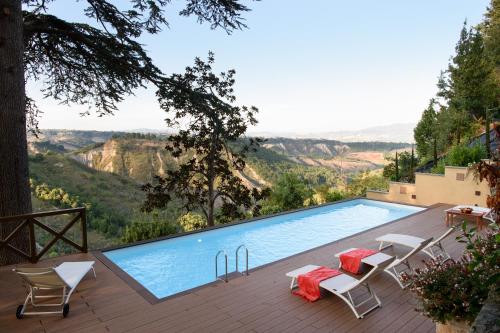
[259,303]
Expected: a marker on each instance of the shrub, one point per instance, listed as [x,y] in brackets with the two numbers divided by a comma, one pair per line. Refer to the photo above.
[192,221]
[456,290]
[439,168]
[138,231]
[335,195]
[462,155]
[289,192]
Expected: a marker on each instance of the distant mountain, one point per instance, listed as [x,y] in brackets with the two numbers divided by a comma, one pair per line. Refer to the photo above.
[387,133]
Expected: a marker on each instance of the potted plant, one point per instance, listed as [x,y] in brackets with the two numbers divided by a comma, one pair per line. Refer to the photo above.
[452,293]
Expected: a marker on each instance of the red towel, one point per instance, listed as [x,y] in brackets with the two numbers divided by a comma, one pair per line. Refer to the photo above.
[352,260]
[309,282]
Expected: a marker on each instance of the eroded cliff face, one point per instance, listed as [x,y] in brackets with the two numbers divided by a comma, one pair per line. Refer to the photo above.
[99,158]
[142,159]
[134,158]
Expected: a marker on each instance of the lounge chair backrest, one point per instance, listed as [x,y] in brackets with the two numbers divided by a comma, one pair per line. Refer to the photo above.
[377,269]
[40,277]
[417,249]
[443,236]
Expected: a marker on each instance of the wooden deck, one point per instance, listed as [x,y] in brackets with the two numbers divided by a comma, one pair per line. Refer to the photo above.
[260,302]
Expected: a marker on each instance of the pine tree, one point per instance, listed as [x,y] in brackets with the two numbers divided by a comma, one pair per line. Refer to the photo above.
[96,65]
[213,123]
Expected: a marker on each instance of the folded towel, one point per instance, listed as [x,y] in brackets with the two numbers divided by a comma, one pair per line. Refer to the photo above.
[309,282]
[351,261]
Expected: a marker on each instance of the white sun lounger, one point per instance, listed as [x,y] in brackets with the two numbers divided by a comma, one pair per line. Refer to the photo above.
[342,285]
[402,265]
[64,277]
[434,249]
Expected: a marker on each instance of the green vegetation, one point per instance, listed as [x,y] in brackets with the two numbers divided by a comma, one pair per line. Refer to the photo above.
[208,178]
[111,199]
[138,231]
[192,221]
[271,165]
[114,198]
[468,93]
[461,155]
[457,290]
[364,181]
[401,167]
[289,192]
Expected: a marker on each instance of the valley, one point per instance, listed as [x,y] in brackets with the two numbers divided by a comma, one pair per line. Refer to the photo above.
[104,171]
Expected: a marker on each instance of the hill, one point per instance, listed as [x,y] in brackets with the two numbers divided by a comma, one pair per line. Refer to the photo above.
[387,133]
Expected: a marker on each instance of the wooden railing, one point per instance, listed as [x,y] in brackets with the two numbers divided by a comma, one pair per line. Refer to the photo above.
[30,221]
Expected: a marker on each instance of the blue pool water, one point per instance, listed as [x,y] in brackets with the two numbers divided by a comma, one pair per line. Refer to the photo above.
[174,265]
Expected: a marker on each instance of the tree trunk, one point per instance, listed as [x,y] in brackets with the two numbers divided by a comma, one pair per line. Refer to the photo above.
[397,167]
[434,153]
[14,176]
[487,134]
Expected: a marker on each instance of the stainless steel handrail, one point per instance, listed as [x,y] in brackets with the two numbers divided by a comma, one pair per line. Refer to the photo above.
[217,265]
[246,250]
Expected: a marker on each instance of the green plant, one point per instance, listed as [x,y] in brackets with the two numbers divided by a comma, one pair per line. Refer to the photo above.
[289,192]
[191,221]
[463,155]
[456,290]
[439,168]
[363,181]
[138,231]
[335,195]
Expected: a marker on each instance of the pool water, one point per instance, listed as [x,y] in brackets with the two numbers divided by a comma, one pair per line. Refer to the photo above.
[174,265]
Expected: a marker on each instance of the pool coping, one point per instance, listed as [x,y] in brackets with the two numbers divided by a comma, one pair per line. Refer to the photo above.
[152,299]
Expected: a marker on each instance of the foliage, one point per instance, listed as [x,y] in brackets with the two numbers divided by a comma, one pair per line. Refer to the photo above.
[191,221]
[138,231]
[335,195]
[365,180]
[466,90]
[325,193]
[428,134]
[490,171]
[211,124]
[56,196]
[74,59]
[406,167]
[463,155]
[111,199]
[439,168]
[456,290]
[289,192]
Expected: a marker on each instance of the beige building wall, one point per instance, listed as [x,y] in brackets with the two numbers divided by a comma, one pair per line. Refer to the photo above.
[456,187]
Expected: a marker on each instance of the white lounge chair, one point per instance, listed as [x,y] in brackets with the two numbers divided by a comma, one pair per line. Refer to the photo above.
[342,285]
[402,265]
[434,249]
[64,277]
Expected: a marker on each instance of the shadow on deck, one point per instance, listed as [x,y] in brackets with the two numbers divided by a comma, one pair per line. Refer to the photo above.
[260,302]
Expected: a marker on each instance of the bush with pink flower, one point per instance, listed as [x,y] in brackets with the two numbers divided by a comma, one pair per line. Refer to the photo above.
[456,290]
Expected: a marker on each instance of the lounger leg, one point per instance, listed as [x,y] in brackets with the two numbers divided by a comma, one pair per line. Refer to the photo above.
[292,285]
[350,303]
[93,271]
[397,275]
[382,247]
[431,252]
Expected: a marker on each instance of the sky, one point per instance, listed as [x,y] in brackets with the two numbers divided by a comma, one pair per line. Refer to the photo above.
[309,66]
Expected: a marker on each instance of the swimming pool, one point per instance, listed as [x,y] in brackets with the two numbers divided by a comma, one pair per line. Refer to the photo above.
[177,264]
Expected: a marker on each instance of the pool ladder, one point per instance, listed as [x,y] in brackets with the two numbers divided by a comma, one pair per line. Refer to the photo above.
[242,246]
[222,252]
